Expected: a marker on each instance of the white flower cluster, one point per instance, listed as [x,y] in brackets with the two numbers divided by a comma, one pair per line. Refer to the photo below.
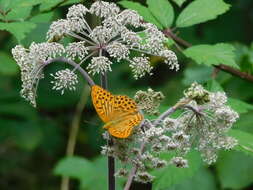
[31,62]
[120,33]
[77,49]
[207,121]
[64,79]
[99,65]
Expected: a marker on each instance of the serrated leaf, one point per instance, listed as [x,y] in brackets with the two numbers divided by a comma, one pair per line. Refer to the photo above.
[213,86]
[74,166]
[142,10]
[179,2]
[18,29]
[234,170]
[7,64]
[200,11]
[239,106]
[162,11]
[245,141]
[212,54]
[172,175]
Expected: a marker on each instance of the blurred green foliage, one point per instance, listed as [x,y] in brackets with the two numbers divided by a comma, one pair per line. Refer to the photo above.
[33,141]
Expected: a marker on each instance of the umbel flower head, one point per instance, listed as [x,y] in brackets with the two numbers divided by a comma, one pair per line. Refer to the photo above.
[206,121]
[202,125]
[119,34]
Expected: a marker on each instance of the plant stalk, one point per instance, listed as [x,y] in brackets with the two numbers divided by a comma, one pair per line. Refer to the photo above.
[74,132]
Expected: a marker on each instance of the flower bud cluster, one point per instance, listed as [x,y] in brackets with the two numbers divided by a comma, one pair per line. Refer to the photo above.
[149,101]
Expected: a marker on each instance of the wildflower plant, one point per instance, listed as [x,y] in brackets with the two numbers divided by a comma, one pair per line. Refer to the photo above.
[119,34]
[202,125]
[123,36]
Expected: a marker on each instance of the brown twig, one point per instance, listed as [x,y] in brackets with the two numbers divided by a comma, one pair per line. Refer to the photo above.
[225,68]
[235,72]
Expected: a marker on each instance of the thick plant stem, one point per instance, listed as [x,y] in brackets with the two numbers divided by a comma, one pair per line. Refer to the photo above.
[74,132]
[111,160]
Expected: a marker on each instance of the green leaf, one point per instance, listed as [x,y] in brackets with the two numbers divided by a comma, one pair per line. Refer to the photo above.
[162,11]
[18,14]
[169,42]
[74,166]
[245,122]
[203,178]
[48,4]
[7,64]
[92,175]
[200,11]
[172,175]
[212,54]
[239,106]
[213,86]
[196,74]
[42,18]
[142,10]
[234,170]
[245,141]
[18,29]
[179,2]
[91,181]
[6,5]
[70,2]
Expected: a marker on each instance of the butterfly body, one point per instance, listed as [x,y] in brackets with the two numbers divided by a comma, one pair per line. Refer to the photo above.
[119,113]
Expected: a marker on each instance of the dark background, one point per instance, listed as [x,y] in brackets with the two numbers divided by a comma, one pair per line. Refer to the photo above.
[32,141]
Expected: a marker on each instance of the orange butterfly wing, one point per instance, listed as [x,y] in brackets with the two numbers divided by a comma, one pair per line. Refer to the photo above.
[103,102]
[120,113]
[124,127]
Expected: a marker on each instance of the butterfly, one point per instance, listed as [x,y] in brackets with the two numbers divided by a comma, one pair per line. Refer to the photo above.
[119,113]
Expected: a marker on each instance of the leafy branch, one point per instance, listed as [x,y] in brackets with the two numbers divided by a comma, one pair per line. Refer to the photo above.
[225,68]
